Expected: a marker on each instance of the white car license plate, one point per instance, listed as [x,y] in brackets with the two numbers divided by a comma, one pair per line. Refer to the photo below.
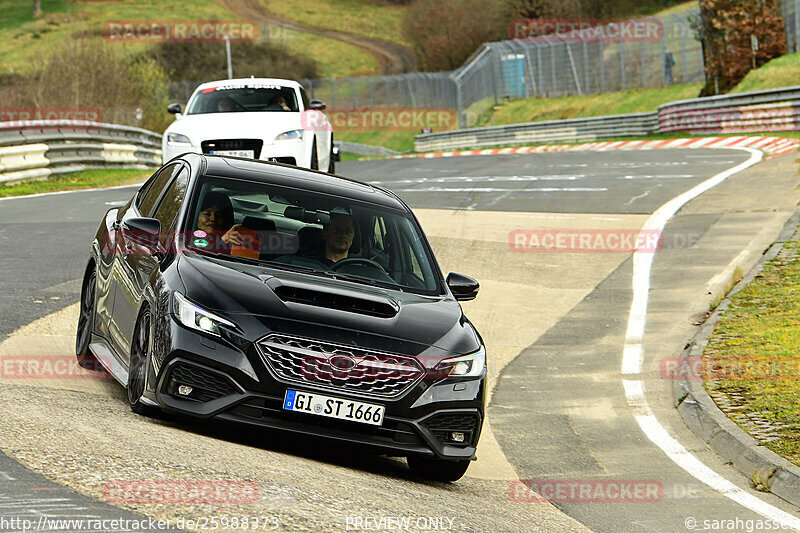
[317,404]
[250,154]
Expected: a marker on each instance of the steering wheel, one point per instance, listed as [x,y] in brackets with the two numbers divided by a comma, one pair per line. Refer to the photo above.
[355,260]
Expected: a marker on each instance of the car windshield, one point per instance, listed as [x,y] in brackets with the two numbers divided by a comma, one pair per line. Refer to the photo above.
[292,229]
[238,99]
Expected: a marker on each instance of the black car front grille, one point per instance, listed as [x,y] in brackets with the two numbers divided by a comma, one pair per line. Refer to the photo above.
[451,422]
[207,385]
[233,144]
[444,425]
[337,367]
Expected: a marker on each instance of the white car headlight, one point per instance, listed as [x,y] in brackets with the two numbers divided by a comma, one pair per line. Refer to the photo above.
[198,318]
[464,366]
[177,138]
[291,135]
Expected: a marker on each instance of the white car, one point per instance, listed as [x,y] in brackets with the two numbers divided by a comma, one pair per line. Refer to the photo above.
[257,118]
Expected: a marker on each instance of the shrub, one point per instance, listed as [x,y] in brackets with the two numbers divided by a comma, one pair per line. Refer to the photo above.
[208,61]
[444,33]
[93,73]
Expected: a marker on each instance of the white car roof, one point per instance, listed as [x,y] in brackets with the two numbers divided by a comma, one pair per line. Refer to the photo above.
[245,82]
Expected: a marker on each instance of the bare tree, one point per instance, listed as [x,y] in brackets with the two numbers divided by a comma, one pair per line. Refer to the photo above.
[37,8]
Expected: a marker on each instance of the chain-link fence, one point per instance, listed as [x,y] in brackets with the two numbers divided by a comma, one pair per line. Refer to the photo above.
[567,64]
[559,64]
[553,65]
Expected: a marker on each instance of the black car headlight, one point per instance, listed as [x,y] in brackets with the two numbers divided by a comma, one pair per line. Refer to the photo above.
[195,317]
[464,366]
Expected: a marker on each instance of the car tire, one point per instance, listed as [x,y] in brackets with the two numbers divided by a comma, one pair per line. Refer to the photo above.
[83,337]
[437,469]
[314,160]
[139,363]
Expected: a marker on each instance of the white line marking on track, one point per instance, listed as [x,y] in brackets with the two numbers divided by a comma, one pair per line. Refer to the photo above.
[633,355]
[633,199]
[71,192]
[494,189]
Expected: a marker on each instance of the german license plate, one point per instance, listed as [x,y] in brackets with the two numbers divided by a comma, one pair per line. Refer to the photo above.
[328,406]
[249,154]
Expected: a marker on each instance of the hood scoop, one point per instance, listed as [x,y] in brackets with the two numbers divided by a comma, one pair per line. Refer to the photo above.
[339,300]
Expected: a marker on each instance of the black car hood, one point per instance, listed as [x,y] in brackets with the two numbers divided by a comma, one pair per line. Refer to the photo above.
[313,306]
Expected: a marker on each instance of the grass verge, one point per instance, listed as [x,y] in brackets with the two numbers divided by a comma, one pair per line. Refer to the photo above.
[371,19]
[782,71]
[753,356]
[87,179]
[23,39]
[401,141]
[590,105]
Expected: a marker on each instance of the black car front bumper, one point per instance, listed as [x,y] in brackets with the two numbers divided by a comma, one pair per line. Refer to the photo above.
[228,384]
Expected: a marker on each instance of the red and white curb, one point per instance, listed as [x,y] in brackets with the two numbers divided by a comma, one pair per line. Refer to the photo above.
[772,146]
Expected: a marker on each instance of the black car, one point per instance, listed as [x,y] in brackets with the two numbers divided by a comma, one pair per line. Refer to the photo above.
[268,295]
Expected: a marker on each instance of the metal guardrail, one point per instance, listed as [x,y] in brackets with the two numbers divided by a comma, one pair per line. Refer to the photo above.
[37,149]
[573,130]
[364,149]
[760,111]
[770,110]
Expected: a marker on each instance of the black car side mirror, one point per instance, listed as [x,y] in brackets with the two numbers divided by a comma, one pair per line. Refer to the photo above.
[145,232]
[174,108]
[319,105]
[464,288]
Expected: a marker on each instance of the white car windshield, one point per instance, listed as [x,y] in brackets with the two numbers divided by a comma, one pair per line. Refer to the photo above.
[226,99]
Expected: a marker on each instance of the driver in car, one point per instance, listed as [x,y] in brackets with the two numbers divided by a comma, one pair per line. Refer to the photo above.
[226,104]
[337,237]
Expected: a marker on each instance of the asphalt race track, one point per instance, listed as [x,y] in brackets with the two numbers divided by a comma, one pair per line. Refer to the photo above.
[554,325]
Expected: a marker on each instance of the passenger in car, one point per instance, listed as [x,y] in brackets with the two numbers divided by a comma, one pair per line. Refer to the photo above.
[280,101]
[216,220]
